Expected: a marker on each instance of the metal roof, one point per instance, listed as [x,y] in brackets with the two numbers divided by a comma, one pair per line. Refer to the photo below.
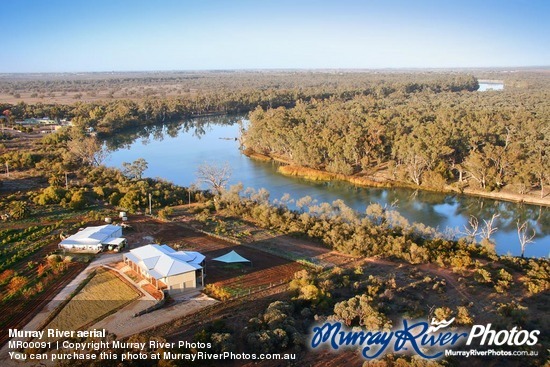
[114,241]
[93,235]
[162,261]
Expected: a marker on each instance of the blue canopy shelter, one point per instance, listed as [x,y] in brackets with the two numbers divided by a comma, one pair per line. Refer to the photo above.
[232,257]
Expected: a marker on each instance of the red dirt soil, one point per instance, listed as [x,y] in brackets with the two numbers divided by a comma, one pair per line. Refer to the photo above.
[16,313]
[266,269]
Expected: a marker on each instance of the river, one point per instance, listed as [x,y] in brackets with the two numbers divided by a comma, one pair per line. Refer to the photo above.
[489,85]
[174,151]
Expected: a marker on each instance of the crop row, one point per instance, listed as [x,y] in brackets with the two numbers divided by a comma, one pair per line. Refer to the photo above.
[30,241]
[13,235]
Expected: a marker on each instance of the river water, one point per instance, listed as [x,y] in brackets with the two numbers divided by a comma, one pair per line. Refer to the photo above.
[488,86]
[174,151]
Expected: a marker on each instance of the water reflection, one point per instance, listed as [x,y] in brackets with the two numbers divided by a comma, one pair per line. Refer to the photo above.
[174,151]
[197,127]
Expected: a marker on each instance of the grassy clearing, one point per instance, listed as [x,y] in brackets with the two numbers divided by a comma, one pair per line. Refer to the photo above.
[104,294]
[318,175]
[257,156]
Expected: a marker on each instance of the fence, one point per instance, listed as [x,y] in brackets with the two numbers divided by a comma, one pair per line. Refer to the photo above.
[254,290]
[223,238]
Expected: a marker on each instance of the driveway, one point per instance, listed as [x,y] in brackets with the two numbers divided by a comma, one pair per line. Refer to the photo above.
[123,324]
[38,321]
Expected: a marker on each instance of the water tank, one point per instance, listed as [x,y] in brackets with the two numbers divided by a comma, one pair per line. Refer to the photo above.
[122,214]
[108,220]
[124,219]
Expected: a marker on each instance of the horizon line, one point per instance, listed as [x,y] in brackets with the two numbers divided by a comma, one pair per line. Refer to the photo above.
[427,68]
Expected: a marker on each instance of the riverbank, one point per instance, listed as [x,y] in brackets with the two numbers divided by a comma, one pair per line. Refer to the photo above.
[289,169]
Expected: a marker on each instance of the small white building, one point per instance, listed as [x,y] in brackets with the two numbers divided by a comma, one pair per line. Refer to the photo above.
[28,122]
[166,268]
[95,239]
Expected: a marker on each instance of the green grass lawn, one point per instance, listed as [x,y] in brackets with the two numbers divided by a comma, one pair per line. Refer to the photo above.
[104,294]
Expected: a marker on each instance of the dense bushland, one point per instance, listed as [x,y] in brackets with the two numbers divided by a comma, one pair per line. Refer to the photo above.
[240,93]
[482,140]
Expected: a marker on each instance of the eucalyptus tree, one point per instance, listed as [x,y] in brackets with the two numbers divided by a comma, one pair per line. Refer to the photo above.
[216,176]
[524,235]
[134,170]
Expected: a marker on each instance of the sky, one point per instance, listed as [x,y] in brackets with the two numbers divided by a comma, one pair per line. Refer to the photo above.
[135,35]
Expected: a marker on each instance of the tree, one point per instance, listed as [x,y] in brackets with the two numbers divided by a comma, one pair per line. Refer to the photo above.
[134,170]
[360,308]
[88,150]
[19,210]
[478,165]
[489,229]
[523,236]
[411,153]
[7,113]
[471,230]
[215,176]
[78,201]
[132,201]
[538,161]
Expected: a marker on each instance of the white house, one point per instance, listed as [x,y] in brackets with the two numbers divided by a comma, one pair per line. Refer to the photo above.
[95,239]
[166,268]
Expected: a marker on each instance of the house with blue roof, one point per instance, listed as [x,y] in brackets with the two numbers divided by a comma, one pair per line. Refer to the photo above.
[166,268]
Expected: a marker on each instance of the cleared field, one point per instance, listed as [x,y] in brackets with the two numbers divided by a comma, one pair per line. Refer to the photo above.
[104,294]
[266,269]
[239,278]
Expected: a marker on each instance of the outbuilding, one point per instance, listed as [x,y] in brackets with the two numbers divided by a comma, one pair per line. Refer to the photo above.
[95,239]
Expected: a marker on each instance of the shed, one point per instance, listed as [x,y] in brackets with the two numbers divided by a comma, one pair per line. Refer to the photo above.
[93,239]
